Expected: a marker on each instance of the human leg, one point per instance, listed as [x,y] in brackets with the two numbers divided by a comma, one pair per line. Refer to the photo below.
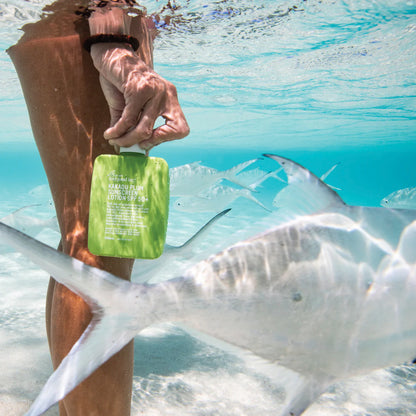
[68,115]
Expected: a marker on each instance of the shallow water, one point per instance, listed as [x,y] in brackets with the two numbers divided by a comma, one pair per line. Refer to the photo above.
[322,82]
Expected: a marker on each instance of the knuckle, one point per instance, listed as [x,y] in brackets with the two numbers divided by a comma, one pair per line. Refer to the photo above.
[151,84]
[145,132]
[186,131]
[147,89]
[182,127]
[171,89]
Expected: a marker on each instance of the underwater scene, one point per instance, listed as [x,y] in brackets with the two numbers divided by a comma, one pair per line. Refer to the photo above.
[329,84]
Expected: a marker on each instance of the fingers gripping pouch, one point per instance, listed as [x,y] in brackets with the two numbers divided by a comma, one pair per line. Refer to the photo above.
[129,205]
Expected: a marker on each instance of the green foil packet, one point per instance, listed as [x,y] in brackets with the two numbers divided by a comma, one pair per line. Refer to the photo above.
[129,206]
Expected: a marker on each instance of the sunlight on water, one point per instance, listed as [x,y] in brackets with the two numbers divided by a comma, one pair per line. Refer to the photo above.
[284,65]
[278,65]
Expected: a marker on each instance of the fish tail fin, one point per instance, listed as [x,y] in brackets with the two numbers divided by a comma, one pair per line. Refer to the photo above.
[275,174]
[104,293]
[247,194]
[90,283]
[231,174]
[83,359]
[272,174]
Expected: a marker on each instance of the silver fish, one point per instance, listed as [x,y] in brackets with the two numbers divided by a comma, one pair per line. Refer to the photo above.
[277,199]
[215,199]
[41,194]
[328,293]
[191,179]
[29,224]
[403,198]
[253,178]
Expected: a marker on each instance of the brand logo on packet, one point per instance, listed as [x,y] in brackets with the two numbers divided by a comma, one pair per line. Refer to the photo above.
[117,177]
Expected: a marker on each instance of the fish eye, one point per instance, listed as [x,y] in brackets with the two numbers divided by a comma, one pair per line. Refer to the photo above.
[296,297]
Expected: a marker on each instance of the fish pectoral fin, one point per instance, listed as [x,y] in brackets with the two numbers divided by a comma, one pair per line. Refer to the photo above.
[103,337]
[201,232]
[231,174]
[300,390]
[251,360]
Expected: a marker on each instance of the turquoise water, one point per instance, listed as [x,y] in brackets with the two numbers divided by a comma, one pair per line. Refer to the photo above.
[321,82]
[335,78]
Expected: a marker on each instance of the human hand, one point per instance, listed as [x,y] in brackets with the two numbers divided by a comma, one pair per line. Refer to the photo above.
[136,96]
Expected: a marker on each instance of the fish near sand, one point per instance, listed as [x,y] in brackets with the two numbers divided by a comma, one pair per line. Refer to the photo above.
[191,179]
[327,293]
[403,198]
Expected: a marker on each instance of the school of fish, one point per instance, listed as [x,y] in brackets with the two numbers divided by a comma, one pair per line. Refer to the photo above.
[326,291]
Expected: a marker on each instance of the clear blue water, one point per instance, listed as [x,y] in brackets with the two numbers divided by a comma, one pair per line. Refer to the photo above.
[321,82]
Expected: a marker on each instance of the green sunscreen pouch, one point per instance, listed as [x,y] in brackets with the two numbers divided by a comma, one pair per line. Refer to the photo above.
[129,205]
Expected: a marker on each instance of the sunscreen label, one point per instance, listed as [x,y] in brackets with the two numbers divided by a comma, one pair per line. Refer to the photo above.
[129,206]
